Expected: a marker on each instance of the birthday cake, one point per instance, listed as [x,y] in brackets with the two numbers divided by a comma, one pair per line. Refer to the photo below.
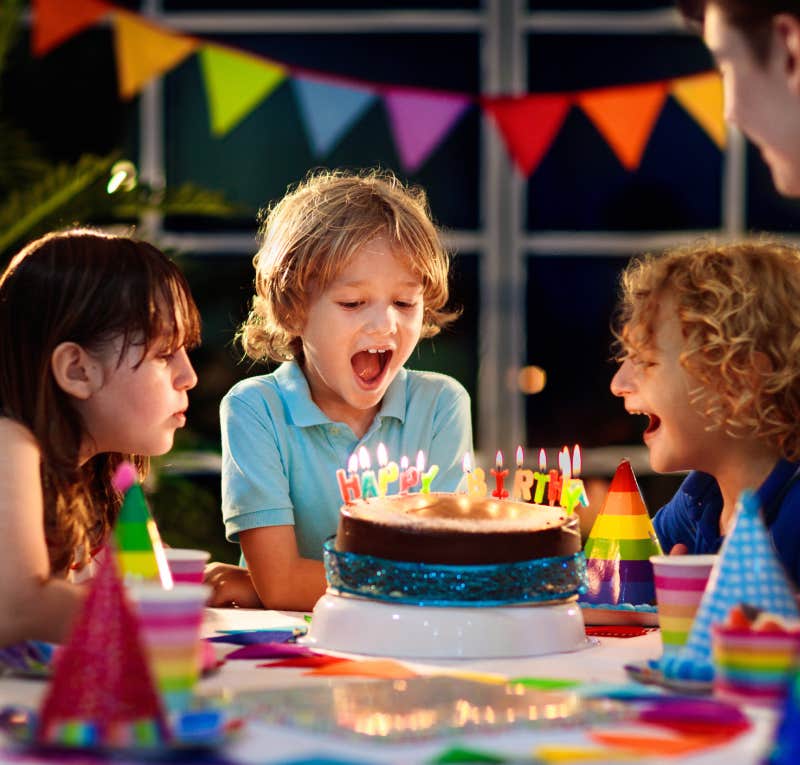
[455,530]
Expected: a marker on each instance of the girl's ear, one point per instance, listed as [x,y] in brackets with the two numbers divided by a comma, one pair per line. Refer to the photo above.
[787,26]
[76,372]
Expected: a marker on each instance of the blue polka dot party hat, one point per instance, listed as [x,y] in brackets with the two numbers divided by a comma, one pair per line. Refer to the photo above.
[748,571]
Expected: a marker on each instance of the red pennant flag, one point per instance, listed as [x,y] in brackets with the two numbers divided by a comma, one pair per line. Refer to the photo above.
[529,124]
[55,21]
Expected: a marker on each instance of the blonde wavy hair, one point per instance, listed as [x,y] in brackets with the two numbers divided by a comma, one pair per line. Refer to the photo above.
[739,311]
[310,235]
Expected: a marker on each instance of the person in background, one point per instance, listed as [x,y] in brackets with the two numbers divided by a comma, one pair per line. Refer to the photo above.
[94,332]
[756,44]
[351,273]
[710,354]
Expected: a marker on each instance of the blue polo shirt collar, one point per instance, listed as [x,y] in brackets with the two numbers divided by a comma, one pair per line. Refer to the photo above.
[304,413]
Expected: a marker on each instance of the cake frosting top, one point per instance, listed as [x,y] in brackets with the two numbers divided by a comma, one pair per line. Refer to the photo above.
[456,513]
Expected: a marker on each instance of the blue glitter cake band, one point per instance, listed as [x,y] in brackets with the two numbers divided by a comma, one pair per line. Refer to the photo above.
[427,584]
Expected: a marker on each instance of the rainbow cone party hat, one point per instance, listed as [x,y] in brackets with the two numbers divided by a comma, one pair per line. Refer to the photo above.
[619,546]
[748,571]
[102,693]
[139,548]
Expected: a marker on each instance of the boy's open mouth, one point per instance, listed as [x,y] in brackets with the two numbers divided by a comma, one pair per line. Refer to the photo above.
[653,423]
[369,365]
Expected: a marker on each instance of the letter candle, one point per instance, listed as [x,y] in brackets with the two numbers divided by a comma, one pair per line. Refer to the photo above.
[554,486]
[541,478]
[566,474]
[388,471]
[409,476]
[369,486]
[523,479]
[476,479]
[350,484]
[575,492]
[499,476]
[424,477]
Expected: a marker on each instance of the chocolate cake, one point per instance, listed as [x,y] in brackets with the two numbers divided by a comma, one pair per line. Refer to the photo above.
[455,529]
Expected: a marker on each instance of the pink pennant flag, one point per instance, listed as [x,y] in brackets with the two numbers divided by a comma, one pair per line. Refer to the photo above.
[55,21]
[420,121]
[528,124]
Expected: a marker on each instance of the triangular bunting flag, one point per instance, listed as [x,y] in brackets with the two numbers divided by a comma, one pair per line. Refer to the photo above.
[102,693]
[619,546]
[235,84]
[329,110]
[144,51]
[701,96]
[140,551]
[528,124]
[748,571]
[55,21]
[625,116]
[420,120]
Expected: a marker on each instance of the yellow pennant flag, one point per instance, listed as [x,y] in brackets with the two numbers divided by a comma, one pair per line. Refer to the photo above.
[701,96]
[625,116]
[235,84]
[144,51]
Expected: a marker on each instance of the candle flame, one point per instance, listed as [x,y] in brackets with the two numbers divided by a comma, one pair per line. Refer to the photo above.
[404,463]
[352,463]
[542,461]
[520,457]
[498,459]
[576,461]
[420,462]
[563,463]
[363,458]
[383,457]
[467,463]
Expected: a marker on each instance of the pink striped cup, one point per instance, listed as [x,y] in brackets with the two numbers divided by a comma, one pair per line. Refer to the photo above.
[680,583]
[186,565]
[169,630]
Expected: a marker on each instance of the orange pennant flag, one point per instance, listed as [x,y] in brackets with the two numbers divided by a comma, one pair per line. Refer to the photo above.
[528,124]
[701,96]
[625,116]
[144,51]
[385,668]
[55,21]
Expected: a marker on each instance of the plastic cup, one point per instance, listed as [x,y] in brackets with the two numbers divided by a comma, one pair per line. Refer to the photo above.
[680,583]
[170,622]
[753,667]
[186,565]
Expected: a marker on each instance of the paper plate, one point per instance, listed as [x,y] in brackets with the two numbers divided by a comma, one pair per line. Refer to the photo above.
[649,673]
[356,625]
[615,616]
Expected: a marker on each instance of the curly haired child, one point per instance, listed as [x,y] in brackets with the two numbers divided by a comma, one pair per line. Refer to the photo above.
[351,273]
[710,339]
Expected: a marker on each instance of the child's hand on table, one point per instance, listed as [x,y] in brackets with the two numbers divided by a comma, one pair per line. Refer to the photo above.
[231,586]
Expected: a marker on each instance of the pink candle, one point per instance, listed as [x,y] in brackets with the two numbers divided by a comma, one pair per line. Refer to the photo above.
[349,485]
[409,476]
[499,476]
[523,479]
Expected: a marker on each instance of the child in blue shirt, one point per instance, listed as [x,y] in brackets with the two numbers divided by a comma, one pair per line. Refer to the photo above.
[350,275]
[710,339]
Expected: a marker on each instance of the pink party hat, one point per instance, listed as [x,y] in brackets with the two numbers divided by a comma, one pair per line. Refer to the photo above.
[102,693]
[619,546]
[747,571]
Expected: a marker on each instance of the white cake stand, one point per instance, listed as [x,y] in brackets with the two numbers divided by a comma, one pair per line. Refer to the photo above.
[353,624]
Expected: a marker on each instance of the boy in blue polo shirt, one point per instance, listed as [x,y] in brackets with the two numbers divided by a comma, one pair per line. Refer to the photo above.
[710,339]
[350,275]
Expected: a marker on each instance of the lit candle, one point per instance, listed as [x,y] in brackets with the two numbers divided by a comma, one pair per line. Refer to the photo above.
[499,475]
[476,479]
[388,471]
[554,485]
[541,478]
[409,476]
[369,486]
[566,474]
[523,479]
[349,484]
[424,477]
[575,492]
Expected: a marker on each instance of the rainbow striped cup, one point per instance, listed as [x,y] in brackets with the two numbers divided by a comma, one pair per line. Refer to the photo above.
[680,583]
[170,622]
[186,565]
[753,667]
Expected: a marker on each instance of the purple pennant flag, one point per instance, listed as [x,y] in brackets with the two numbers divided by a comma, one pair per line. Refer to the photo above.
[270,651]
[254,636]
[420,120]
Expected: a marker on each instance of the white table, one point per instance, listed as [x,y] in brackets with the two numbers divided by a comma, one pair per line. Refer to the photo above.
[268,744]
